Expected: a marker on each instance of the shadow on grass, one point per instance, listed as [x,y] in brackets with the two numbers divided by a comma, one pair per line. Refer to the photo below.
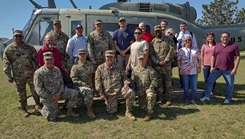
[238,96]
[171,113]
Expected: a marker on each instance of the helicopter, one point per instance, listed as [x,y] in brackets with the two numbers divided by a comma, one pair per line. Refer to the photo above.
[151,13]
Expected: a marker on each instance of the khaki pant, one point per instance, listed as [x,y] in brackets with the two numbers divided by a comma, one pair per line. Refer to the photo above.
[122,61]
[112,102]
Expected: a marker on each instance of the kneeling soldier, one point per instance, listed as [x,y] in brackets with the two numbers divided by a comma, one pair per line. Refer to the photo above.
[111,83]
[145,82]
[81,75]
[50,87]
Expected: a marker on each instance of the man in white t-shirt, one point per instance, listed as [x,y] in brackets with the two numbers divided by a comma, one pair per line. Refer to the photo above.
[139,46]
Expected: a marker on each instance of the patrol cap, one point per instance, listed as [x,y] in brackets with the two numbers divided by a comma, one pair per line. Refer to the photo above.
[122,18]
[97,21]
[79,26]
[57,21]
[48,55]
[81,51]
[157,27]
[141,55]
[110,53]
[18,32]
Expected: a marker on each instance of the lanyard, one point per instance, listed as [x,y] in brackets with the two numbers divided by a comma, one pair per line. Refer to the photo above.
[188,54]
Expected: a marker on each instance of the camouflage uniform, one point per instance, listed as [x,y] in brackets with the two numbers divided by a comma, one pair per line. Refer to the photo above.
[21,62]
[143,79]
[60,40]
[47,83]
[109,82]
[81,75]
[98,43]
[163,50]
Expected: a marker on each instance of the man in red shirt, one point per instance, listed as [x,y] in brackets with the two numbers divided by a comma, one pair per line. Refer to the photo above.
[48,46]
[147,36]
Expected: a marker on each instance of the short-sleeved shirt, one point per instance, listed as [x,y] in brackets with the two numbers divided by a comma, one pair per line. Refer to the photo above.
[123,39]
[147,37]
[137,48]
[208,52]
[188,60]
[224,56]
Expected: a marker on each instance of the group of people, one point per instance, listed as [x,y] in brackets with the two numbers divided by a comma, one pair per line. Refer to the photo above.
[124,65]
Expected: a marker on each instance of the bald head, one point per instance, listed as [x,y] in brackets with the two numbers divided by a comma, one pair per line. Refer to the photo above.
[49,39]
[142,27]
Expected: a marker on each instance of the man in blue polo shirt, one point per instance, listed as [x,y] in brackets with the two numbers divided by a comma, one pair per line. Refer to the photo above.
[222,63]
[122,38]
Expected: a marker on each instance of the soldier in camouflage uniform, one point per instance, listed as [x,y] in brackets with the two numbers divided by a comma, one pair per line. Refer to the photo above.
[99,41]
[20,62]
[50,87]
[111,83]
[81,75]
[162,52]
[60,40]
[145,82]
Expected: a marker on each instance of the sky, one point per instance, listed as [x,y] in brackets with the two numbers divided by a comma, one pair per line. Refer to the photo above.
[16,13]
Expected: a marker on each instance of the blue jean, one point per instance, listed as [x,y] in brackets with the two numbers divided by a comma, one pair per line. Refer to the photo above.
[229,79]
[190,81]
[75,60]
[206,74]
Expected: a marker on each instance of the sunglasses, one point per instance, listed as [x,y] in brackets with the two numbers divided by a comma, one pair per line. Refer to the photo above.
[18,36]
[169,33]
[138,33]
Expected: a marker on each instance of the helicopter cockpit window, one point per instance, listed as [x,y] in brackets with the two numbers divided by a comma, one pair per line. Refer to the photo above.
[39,30]
[110,27]
[131,27]
[73,26]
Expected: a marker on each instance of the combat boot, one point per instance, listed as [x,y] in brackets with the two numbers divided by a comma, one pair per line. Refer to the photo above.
[70,113]
[130,115]
[168,103]
[90,113]
[24,113]
[38,110]
[148,117]
[159,102]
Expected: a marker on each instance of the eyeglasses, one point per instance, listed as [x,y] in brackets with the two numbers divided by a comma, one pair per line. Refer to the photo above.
[18,36]
[138,33]
[188,40]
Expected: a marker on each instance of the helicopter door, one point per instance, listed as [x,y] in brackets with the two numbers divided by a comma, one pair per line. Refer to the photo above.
[73,21]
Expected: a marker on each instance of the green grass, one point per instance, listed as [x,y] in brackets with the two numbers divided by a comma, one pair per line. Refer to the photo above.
[210,120]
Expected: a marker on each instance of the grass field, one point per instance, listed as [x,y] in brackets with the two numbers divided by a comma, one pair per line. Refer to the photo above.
[210,120]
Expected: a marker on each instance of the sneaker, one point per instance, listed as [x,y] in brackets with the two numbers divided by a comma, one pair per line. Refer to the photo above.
[194,102]
[204,99]
[226,101]
[188,101]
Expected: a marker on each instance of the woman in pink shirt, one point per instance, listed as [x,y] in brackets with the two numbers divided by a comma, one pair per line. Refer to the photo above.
[206,54]
[189,64]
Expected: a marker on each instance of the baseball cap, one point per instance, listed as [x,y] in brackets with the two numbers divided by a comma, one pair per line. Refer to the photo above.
[48,55]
